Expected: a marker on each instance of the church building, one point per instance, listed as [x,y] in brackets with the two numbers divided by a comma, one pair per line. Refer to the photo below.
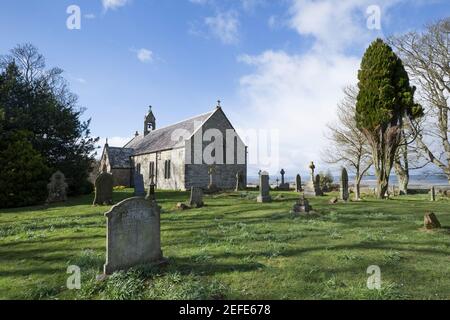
[186,154]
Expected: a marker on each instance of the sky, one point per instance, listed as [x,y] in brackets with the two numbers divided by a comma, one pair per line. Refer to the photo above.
[278,66]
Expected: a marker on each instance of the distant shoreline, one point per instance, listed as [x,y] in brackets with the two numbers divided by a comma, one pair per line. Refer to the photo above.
[415,182]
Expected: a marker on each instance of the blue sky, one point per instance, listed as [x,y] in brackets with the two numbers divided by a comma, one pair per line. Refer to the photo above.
[275,64]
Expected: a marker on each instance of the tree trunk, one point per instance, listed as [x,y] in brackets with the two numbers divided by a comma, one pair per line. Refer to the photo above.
[358,188]
[401,166]
[403,180]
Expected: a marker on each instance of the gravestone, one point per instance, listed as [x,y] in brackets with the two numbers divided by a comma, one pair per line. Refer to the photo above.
[139,188]
[104,185]
[133,235]
[433,193]
[239,181]
[151,189]
[212,187]
[196,199]
[264,188]
[283,186]
[301,206]
[312,187]
[344,185]
[298,183]
[57,188]
[430,221]
[333,200]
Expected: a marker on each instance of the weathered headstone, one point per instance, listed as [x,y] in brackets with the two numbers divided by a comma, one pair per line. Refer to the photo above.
[57,188]
[344,185]
[104,185]
[196,199]
[182,206]
[430,221]
[298,183]
[151,189]
[333,200]
[133,235]
[433,193]
[319,191]
[301,206]
[139,188]
[212,187]
[264,188]
[239,181]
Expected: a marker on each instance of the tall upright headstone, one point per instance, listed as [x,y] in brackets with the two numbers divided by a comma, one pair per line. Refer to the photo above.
[57,188]
[139,188]
[433,193]
[264,188]
[344,185]
[298,183]
[239,181]
[318,189]
[133,235]
[212,187]
[104,185]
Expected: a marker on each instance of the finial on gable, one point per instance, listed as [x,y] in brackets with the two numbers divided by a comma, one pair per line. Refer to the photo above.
[136,134]
[218,104]
[106,142]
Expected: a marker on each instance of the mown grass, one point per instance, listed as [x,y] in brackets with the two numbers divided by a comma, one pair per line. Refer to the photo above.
[234,248]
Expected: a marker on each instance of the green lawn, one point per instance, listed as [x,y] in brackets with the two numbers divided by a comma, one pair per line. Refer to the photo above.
[235,248]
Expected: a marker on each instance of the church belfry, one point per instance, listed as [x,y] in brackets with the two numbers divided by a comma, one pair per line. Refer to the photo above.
[150,122]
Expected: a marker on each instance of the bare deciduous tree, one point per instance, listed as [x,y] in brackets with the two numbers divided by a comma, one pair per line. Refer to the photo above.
[426,57]
[348,144]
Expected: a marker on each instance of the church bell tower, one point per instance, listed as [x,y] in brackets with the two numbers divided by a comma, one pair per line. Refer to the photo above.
[150,122]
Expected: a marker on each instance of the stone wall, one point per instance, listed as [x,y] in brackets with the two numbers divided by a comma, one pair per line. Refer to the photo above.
[225,177]
[176,157]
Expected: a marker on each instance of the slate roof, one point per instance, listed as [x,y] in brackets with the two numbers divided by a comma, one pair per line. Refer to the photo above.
[156,140]
[119,158]
[161,139]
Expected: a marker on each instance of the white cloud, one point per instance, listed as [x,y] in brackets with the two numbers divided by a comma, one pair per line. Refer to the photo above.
[114,4]
[298,93]
[144,55]
[224,26]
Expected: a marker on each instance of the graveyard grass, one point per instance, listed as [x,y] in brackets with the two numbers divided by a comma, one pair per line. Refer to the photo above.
[235,248]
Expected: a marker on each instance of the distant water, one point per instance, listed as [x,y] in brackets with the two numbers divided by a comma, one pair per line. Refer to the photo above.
[370,181]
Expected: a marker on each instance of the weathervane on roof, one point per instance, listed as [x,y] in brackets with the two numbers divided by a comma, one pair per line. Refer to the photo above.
[218,104]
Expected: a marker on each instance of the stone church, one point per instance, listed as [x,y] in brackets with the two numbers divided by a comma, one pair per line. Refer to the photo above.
[180,156]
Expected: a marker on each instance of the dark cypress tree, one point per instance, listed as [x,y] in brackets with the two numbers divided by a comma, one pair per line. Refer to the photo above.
[23,174]
[37,100]
[385,98]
